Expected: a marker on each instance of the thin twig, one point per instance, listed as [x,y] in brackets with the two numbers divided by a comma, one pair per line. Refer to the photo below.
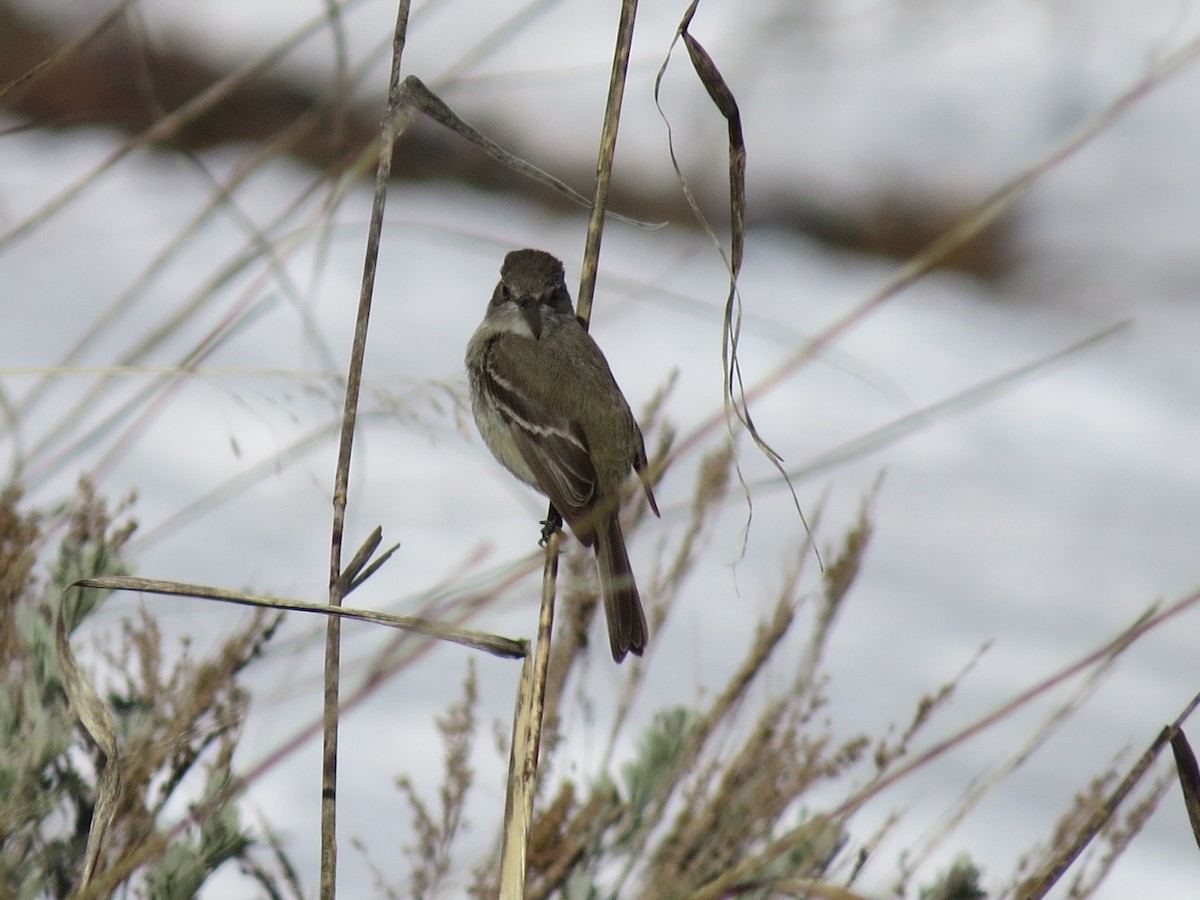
[721,886]
[988,210]
[337,586]
[165,127]
[531,701]
[16,89]
[1035,889]
[426,101]
[478,640]
[527,739]
[604,161]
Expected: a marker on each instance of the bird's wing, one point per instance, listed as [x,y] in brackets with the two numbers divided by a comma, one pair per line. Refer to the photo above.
[555,449]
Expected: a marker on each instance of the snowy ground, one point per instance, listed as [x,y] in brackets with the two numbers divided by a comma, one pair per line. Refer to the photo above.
[1042,522]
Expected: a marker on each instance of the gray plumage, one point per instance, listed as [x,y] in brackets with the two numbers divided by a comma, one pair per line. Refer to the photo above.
[549,409]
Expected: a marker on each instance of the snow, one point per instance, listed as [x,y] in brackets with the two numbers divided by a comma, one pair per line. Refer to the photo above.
[1042,521]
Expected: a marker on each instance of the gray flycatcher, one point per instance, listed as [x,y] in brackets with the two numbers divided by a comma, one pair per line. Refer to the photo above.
[548,408]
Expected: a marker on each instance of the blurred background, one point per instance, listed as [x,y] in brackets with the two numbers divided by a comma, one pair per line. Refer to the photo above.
[179,295]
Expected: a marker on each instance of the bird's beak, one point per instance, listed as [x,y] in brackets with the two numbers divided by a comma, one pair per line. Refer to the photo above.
[531,309]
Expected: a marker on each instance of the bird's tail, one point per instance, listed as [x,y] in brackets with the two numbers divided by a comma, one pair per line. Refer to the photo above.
[627,630]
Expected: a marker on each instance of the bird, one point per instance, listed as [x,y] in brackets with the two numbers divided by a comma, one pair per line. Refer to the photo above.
[547,406]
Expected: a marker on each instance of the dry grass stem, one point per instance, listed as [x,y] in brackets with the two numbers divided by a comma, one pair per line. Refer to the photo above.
[1097,811]
[117,758]
[527,737]
[489,643]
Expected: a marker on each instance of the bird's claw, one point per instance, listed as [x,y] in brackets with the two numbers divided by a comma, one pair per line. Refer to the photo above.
[550,525]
